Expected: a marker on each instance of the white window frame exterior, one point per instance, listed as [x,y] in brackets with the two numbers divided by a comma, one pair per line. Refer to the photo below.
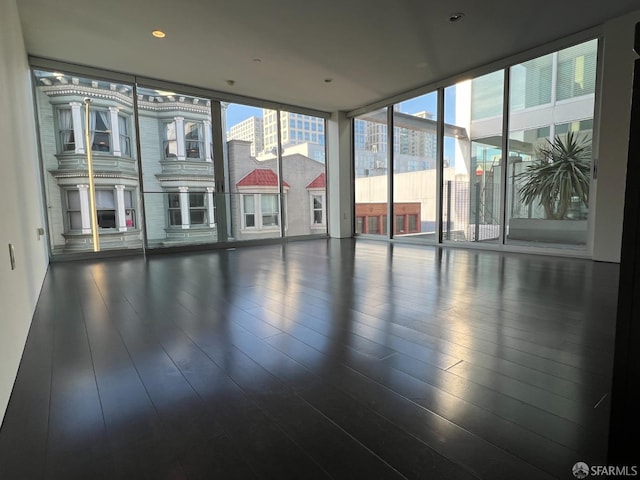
[317,193]
[257,205]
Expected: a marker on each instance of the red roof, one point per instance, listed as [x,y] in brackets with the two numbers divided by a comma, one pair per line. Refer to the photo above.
[260,177]
[319,182]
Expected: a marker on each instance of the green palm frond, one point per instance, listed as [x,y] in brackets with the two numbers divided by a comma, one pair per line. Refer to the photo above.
[560,173]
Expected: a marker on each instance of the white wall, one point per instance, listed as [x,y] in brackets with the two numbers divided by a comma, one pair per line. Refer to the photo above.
[20,201]
[614,136]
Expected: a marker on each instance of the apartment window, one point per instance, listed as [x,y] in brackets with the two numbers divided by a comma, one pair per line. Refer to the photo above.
[577,70]
[413,223]
[100,129]
[197,209]
[65,128]
[372,224]
[260,210]
[249,211]
[531,83]
[106,208]
[74,217]
[129,209]
[270,210]
[170,140]
[193,139]
[125,138]
[318,209]
[175,214]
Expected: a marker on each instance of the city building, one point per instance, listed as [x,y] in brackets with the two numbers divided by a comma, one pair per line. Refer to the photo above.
[251,130]
[296,129]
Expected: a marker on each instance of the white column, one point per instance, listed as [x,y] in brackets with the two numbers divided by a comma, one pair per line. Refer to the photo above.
[84,208]
[339,183]
[210,207]
[182,155]
[207,141]
[78,129]
[115,132]
[122,216]
[184,206]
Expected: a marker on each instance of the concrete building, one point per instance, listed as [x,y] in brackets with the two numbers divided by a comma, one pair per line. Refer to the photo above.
[251,130]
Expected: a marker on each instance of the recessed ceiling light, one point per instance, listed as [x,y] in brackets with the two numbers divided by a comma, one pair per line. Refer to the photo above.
[328,80]
[158,34]
[257,60]
[231,83]
[455,17]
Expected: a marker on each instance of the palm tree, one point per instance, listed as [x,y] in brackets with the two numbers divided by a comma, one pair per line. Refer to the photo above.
[560,174]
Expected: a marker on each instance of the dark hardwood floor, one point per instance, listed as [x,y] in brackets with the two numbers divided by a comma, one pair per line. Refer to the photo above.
[316,359]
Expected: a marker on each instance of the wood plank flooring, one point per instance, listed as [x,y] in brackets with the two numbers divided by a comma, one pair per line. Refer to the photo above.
[332,358]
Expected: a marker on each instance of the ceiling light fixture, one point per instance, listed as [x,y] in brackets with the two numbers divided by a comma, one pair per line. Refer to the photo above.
[158,34]
[455,17]
[328,80]
[231,83]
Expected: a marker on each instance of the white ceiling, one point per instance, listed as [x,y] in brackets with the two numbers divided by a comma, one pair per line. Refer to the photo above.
[371,49]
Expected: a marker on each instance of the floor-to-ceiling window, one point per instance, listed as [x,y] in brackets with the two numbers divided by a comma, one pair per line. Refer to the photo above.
[473,157]
[371,158]
[302,142]
[89,164]
[529,189]
[550,136]
[177,161]
[415,157]
[134,166]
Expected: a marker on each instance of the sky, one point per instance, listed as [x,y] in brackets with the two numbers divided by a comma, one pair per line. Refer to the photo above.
[236,113]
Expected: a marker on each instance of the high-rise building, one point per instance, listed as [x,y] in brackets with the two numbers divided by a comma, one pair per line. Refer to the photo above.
[296,128]
[250,130]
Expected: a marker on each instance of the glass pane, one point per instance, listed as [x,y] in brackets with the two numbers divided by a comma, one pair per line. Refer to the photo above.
[370,166]
[104,199]
[75,220]
[473,159]
[269,203]
[196,199]
[73,197]
[303,170]
[550,161]
[177,167]
[577,70]
[198,217]
[531,83]
[251,135]
[61,114]
[249,204]
[414,165]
